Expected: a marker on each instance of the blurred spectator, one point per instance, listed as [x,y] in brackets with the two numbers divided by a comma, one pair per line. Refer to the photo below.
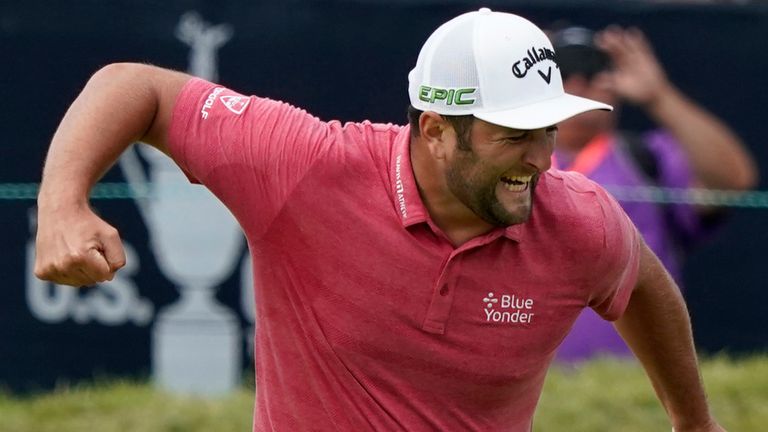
[691,148]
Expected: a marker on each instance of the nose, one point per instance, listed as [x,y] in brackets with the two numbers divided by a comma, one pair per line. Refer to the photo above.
[539,152]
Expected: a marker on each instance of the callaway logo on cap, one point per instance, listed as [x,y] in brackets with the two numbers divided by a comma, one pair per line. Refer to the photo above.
[499,67]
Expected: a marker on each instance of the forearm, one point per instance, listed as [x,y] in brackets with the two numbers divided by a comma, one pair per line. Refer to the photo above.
[657,328]
[119,105]
[718,157]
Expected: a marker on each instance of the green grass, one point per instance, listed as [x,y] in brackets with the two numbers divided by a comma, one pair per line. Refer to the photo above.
[602,395]
[122,406]
[609,395]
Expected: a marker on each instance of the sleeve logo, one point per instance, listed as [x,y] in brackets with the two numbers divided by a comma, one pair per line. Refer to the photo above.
[236,104]
[209,102]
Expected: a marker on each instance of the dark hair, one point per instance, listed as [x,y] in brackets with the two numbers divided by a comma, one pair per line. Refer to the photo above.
[577,54]
[462,124]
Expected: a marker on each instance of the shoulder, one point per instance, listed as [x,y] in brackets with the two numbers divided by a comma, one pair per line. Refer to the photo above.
[570,188]
[580,208]
[369,130]
[366,140]
[574,191]
[581,223]
[568,197]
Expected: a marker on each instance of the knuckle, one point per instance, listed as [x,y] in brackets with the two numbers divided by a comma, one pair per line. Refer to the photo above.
[66,262]
[41,273]
[112,233]
[47,271]
[71,260]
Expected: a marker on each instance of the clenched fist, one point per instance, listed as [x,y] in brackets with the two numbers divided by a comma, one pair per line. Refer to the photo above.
[76,247]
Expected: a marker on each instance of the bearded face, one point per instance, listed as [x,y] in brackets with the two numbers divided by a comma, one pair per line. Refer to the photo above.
[495,172]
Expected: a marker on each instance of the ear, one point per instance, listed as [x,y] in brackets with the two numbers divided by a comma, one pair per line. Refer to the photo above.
[433,129]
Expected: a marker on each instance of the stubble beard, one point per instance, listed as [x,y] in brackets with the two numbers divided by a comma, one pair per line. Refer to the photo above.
[483,200]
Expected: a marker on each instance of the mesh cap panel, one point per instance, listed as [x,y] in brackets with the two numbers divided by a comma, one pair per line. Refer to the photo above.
[452,63]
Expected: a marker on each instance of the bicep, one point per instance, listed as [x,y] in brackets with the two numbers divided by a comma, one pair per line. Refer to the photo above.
[164,85]
[652,275]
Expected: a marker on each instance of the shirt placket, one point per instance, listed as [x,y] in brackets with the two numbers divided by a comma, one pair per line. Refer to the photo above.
[443,293]
[444,290]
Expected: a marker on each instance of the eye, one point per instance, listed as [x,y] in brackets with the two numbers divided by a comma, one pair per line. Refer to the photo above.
[514,139]
[552,129]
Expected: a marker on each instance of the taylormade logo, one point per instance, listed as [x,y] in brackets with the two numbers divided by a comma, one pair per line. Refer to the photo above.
[508,309]
[236,104]
[209,102]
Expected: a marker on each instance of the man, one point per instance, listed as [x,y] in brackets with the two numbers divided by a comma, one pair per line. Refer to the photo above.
[692,148]
[412,279]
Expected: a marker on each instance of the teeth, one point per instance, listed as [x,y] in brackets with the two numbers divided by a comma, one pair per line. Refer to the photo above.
[516,183]
[516,188]
[521,179]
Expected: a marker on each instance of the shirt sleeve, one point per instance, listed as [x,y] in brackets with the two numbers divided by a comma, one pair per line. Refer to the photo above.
[249,151]
[617,269]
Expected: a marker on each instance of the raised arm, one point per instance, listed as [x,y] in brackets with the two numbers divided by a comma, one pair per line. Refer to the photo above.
[122,103]
[717,156]
[657,328]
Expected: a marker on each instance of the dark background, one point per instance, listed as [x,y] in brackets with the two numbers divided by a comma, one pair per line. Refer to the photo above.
[340,60]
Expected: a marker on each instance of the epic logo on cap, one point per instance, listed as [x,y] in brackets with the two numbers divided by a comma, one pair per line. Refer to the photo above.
[457,96]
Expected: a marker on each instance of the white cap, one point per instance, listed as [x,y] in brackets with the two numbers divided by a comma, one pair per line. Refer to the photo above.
[499,67]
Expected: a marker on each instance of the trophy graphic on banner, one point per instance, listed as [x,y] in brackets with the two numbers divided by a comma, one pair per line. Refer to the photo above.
[197,244]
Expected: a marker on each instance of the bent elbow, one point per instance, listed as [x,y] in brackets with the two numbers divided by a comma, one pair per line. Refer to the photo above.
[119,68]
[114,73]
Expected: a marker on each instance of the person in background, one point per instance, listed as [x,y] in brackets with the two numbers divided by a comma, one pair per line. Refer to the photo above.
[690,148]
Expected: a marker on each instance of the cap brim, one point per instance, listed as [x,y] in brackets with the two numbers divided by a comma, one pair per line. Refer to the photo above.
[544,113]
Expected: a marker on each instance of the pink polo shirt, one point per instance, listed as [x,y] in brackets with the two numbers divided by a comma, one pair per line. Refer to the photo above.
[368,318]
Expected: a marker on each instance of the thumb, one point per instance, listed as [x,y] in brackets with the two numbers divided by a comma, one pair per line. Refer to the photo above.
[113,251]
[94,267]
[97,261]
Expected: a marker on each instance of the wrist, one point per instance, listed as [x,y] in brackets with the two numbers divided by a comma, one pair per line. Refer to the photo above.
[52,199]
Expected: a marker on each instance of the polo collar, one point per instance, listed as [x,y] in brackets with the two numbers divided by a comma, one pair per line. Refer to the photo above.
[405,192]
[515,232]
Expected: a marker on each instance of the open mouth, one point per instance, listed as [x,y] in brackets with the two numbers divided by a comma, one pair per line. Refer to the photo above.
[516,183]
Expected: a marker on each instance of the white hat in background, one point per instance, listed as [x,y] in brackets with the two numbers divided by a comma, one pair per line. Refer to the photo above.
[499,67]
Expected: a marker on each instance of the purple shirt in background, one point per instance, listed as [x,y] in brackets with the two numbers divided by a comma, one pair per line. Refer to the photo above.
[667,229]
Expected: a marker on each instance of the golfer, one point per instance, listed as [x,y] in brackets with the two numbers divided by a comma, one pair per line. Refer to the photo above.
[415,277]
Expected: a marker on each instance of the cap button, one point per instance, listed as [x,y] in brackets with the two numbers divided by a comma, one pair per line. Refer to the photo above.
[484,11]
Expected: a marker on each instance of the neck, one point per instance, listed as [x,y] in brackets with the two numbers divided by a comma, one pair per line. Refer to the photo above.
[459,223]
